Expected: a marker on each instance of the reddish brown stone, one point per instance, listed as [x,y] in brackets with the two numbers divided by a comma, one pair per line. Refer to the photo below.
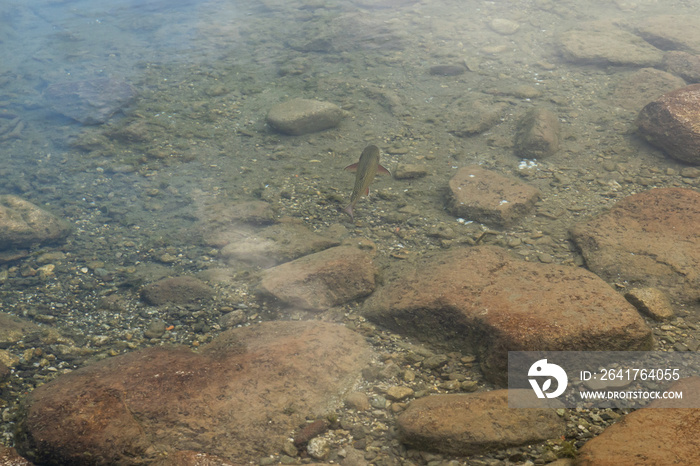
[240,397]
[487,197]
[649,239]
[482,299]
[650,436]
[310,431]
[672,123]
[321,280]
[469,424]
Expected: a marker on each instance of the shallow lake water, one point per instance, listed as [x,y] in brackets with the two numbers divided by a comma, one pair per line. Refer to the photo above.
[139,188]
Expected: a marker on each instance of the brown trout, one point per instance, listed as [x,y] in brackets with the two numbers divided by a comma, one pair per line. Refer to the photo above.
[366,169]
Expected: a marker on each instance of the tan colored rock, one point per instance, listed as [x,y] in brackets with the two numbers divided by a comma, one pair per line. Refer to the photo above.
[239,398]
[398,393]
[650,436]
[409,171]
[483,300]
[13,329]
[538,134]
[504,26]
[276,244]
[671,123]
[468,117]
[649,239]
[651,302]
[488,197]
[321,280]
[643,86]
[177,290]
[683,64]
[474,423]
[23,224]
[608,46]
[671,32]
[301,116]
[358,401]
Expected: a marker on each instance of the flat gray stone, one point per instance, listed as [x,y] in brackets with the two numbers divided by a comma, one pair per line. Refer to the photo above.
[302,116]
[90,102]
[671,32]
[608,47]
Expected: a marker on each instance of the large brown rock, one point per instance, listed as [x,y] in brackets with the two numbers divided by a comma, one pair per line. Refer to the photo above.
[239,398]
[469,424]
[647,239]
[321,280]
[488,197]
[22,224]
[672,123]
[650,436]
[484,300]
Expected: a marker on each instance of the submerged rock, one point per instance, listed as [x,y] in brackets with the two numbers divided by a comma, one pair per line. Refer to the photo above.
[469,424]
[23,224]
[239,398]
[177,290]
[488,197]
[651,435]
[671,32]
[683,64]
[537,135]
[670,123]
[647,239]
[90,102]
[609,46]
[301,116]
[321,280]
[641,87]
[276,244]
[483,300]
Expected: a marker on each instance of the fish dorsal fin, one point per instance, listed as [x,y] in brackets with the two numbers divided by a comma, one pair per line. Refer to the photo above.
[382,171]
[351,168]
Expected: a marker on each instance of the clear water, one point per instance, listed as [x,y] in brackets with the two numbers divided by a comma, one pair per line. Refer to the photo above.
[194,140]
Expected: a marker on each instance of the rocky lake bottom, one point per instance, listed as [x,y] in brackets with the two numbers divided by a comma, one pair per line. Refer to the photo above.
[180,285]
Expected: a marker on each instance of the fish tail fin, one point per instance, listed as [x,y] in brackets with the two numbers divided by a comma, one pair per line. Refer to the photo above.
[348,210]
